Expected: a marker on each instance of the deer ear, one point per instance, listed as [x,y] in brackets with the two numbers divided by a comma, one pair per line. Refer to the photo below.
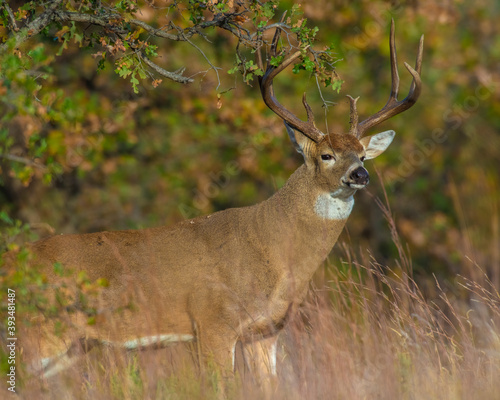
[376,144]
[298,139]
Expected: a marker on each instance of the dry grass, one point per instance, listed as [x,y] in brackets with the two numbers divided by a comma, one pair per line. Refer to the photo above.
[367,334]
[366,331]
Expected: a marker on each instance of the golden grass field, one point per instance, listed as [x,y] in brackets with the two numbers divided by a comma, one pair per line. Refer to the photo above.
[366,331]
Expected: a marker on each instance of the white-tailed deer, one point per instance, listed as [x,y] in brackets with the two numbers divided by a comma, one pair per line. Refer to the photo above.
[232,276]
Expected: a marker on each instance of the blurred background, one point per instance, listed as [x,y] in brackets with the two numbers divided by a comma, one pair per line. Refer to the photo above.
[84,153]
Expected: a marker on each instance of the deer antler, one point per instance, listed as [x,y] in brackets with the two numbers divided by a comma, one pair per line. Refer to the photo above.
[393,106]
[308,127]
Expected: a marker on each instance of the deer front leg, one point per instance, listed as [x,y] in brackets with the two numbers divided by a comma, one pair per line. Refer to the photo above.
[260,359]
[218,352]
[216,349]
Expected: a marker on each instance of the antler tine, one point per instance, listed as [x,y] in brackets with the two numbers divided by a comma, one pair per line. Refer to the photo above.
[393,106]
[274,43]
[418,64]
[266,87]
[394,64]
[272,52]
[353,120]
[309,111]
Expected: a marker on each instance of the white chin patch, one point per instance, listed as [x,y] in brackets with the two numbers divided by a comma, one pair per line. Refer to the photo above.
[334,208]
[357,187]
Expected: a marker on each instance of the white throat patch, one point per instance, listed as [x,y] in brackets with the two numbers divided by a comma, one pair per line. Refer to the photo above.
[334,208]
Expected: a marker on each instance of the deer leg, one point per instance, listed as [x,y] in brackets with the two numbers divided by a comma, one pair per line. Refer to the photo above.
[218,352]
[260,359]
[216,349]
[51,366]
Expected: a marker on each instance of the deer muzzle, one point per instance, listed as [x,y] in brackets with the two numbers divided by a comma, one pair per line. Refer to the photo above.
[358,178]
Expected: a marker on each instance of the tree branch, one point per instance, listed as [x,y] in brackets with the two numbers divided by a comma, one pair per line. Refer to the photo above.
[107,22]
[205,57]
[113,22]
[177,77]
[12,157]
[220,20]
[103,20]
[34,27]
[13,23]
[155,31]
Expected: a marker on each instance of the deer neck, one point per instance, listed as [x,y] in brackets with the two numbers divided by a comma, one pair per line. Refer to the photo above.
[305,222]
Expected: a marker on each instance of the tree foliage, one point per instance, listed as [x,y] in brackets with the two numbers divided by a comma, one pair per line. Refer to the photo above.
[113,33]
[120,37]
[100,128]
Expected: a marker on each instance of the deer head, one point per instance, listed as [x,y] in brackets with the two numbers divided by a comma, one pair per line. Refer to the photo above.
[336,160]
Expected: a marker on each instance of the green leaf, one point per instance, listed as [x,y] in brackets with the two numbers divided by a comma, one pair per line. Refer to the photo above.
[276,61]
[5,218]
[258,72]
[249,64]
[337,85]
[309,65]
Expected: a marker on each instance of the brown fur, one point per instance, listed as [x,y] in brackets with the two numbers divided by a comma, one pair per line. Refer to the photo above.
[235,275]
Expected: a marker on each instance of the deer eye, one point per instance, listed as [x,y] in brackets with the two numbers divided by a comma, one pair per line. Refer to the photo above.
[327,157]
[362,158]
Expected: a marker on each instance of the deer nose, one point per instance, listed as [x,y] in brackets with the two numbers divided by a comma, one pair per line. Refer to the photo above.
[360,176]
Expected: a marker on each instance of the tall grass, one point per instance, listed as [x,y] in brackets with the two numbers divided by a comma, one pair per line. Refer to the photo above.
[366,331]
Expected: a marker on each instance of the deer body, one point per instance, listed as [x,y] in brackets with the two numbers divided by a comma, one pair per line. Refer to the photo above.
[232,276]
[226,277]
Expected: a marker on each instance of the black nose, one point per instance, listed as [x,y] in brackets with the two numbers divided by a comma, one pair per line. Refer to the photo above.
[360,176]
